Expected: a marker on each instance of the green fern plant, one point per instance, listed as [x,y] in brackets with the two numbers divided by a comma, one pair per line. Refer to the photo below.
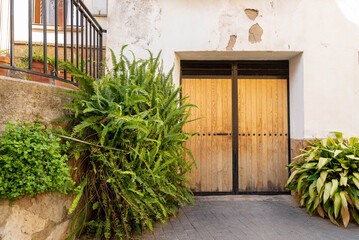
[127,132]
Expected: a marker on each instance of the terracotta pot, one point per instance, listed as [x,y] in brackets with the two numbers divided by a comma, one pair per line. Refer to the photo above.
[63,84]
[4,60]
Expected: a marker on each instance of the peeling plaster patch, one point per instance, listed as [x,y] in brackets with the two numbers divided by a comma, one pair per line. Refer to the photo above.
[255,33]
[251,13]
[231,42]
[272,4]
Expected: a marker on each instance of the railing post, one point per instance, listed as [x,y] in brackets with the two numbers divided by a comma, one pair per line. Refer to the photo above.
[56,37]
[77,36]
[44,26]
[72,34]
[12,41]
[65,35]
[101,55]
[82,42]
[30,33]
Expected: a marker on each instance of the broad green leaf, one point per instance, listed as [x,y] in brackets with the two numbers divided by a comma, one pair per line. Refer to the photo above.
[316,202]
[356,175]
[324,142]
[344,166]
[356,182]
[334,187]
[326,194]
[302,201]
[356,203]
[291,177]
[337,152]
[308,205]
[310,165]
[352,157]
[330,215]
[349,200]
[339,136]
[343,199]
[312,193]
[352,141]
[312,155]
[300,182]
[337,202]
[355,215]
[319,184]
[343,181]
[323,175]
[322,162]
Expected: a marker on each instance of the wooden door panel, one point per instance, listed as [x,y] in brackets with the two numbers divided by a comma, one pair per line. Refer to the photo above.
[213,153]
[263,135]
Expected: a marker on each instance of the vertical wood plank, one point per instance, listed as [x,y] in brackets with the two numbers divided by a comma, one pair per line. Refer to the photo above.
[254,160]
[271,173]
[227,140]
[280,165]
[242,139]
[248,135]
[275,135]
[264,134]
[258,135]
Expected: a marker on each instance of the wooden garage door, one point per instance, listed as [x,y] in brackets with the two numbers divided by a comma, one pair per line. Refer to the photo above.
[212,146]
[262,135]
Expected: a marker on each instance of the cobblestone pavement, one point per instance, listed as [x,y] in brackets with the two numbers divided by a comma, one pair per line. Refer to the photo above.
[247,218]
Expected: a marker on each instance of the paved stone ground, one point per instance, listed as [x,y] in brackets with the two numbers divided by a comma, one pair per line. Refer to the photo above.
[247,218]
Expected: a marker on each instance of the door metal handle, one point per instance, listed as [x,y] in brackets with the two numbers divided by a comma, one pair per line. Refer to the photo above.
[222,134]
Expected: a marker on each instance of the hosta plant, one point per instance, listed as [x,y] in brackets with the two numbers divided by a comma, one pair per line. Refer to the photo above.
[326,177]
[127,132]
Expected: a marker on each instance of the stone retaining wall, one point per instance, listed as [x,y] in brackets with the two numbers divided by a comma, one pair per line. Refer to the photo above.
[44,216]
[27,100]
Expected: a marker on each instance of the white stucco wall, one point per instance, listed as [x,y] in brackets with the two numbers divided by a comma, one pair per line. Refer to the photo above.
[320,36]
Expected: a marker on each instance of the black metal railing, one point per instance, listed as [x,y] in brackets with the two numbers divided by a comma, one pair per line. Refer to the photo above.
[82,39]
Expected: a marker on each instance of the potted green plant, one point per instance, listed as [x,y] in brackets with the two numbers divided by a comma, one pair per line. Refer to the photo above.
[4,60]
[37,64]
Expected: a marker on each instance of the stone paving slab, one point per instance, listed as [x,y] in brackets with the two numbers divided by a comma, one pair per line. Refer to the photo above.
[248,217]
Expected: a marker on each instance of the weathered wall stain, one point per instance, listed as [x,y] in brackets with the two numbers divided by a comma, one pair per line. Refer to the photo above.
[255,33]
[272,4]
[251,13]
[231,42]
